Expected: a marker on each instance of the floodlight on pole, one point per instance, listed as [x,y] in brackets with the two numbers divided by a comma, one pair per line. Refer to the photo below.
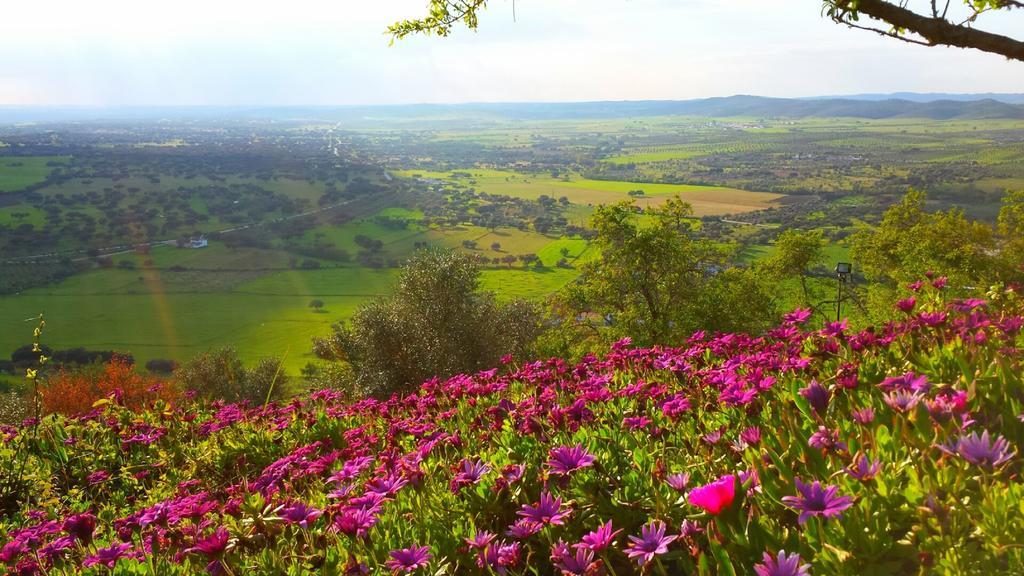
[843,272]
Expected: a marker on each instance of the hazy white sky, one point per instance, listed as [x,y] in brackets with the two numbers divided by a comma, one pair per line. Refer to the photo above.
[227,52]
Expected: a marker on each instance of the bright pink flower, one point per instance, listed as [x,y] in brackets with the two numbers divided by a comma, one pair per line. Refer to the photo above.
[716,496]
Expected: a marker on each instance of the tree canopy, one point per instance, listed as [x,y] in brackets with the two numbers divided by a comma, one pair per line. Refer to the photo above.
[929,23]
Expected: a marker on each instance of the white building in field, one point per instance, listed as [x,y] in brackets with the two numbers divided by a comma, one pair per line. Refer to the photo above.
[200,242]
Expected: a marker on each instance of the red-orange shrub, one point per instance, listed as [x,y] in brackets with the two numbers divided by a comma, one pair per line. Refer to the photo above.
[73,392]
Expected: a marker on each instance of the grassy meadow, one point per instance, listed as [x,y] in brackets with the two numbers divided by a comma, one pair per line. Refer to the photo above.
[17,172]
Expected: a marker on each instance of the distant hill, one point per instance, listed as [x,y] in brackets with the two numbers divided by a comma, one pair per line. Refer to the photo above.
[937,107]
[930,97]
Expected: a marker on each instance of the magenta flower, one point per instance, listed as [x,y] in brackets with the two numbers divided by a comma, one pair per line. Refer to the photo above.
[906,305]
[110,555]
[815,500]
[782,565]
[565,460]
[409,559]
[299,513]
[981,450]
[547,511]
[81,526]
[716,496]
[599,539]
[212,546]
[652,542]
[798,316]
[636,422]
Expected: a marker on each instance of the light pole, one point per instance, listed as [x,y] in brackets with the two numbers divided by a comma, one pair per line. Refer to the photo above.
[843,272]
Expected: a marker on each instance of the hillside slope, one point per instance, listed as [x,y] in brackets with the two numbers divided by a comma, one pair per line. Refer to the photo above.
[885,451]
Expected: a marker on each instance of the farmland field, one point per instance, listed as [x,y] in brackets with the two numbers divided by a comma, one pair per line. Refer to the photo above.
[706,200]
[308,212]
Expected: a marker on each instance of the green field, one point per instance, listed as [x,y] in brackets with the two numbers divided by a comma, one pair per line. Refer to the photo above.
[17,172]
[178,303]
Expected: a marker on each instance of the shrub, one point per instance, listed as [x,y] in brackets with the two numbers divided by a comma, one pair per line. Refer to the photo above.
[437,322]
[220,375]
[74,391]
[161,366]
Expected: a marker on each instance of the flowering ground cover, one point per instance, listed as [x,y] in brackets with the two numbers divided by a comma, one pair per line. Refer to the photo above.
[892,450]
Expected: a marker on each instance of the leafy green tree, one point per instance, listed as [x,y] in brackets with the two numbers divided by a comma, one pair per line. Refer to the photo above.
[656,282]
[1010,226]
[911,242]
[436,322]
[939,24]
[797,254]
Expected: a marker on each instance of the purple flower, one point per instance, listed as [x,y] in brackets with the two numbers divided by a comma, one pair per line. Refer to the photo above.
[565,460]
[902,401]
[299,513]
[109,556]
[652,541]
[798,316]
[547,511]
[386,486]
[480,540]
[355,521]
[81,526]
[636,422]
[864,469]
[570,564]
[523,528]
[212,546]
[499,557]
[826,440]
[815,500]
[469,473]
[409,559]
[981,450]
[864,416]
[57,548]
[599,539]
[751,436]
[817,396]
[678,482]
[510,474]
[782,565]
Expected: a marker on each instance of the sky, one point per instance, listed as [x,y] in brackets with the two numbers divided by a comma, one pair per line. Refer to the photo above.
[335,52]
